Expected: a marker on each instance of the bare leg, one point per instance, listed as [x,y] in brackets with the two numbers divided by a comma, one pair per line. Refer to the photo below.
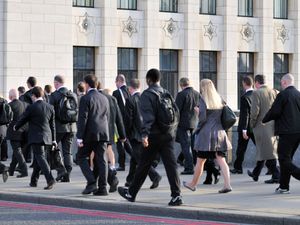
[198,172]
[225,171]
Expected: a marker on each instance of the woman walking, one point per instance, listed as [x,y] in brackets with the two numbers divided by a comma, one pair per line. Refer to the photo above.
[211,141]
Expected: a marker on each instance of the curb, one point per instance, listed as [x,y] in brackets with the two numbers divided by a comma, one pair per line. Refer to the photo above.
[224,215]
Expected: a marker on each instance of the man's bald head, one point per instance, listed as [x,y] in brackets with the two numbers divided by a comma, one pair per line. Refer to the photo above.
[12,94]
[287,80]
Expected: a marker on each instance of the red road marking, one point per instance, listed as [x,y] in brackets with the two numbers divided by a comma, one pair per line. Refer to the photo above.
[94,213]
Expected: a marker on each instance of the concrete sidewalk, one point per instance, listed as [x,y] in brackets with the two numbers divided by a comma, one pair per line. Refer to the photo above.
[250,202]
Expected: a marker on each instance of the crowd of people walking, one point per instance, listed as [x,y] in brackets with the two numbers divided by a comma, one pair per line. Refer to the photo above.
[42,125]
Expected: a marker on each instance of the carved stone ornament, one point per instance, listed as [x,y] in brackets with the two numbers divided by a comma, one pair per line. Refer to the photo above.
[210,30]
[86,24]
[171,28]
[282,34]
[247,32]
[130,26]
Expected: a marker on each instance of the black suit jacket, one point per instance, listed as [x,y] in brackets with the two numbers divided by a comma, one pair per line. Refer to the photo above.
[118,96]
[54,100]
[41,118]
[245,108]
[137,120]
[18,107]
[286,112]
[115,118]
[93,117]
[3,128]
[27,97]
[186,101]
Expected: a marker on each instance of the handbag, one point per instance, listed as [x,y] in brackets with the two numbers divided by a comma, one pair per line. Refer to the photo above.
[54,159]
[228,117]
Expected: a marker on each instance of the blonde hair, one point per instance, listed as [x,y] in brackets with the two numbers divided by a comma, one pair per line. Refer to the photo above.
[210,95]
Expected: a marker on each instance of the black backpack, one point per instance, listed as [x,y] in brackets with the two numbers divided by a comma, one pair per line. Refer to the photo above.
[6,113]
[167,115]
[67,109]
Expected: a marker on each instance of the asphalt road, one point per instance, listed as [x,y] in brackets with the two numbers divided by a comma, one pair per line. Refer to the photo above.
[12,213]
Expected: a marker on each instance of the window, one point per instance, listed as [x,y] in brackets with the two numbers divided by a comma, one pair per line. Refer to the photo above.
[245,8]
[281,67]
[169,6]
[127,63]
[280,9]
[208,7]
[83,3]
[208,66]
[127,4]
[169,70]
[245,68]
[83,63]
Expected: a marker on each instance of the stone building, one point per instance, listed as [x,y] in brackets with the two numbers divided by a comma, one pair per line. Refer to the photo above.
[219,39]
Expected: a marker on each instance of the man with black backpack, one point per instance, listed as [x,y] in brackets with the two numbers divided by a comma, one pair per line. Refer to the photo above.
[160,119]
[66,113]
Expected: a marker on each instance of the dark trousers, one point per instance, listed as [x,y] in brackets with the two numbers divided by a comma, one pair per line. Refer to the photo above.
[3,146]
[165,146]
[40,164]
[83,156]
[66,140]
[184,138]
[111,174]
[241,150]
[270,164]
[18,158]
[211,169]
[2,166]
[122,148]
[137,148]
[287,147]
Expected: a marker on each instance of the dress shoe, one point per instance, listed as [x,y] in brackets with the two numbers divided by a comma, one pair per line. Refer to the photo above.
[11,173]
[207,181]
[5,175]
[272,181]
[269,172]
[32,184]
[187,172]
[127,184]
[282,191]
[22,175]
[114,186]
[225,190]
[250,174]
[89,189]
[120,168]
[188,187]
[100,192]
[60,177]
[155,182]
[125,194]
[65,178]
[217,177]
[50,185]
[236,171]
[176,201]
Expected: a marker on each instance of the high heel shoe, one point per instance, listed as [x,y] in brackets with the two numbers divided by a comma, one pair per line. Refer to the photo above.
[217,176]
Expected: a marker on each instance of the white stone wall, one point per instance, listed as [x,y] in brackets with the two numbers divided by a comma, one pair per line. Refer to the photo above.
[1,48]
[38,41]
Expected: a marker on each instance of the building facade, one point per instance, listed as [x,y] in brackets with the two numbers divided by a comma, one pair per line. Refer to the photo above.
[223,40]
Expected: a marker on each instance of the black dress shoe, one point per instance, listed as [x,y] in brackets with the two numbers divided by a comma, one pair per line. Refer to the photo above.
[60,177]
[89,189]
[236,171]
[176,201]
[114,186]
[272,181]
[125,194]
[207,182]
[100,192]
[250,174]
[65,179]
[120,168]
[32,184]
[5,175]
[217,177]
[22,175]
[127,184]
[187,172]
[50,185]
[155,182]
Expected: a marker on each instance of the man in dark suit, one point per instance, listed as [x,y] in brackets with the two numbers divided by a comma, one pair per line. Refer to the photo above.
[244,131]
[31,83]
[17,138]
[155,140]
[3,168]
[186,101]
[41,132]
[135,136]
[64,131]
[285,111]
[21,92]
[93,135]
[122,95]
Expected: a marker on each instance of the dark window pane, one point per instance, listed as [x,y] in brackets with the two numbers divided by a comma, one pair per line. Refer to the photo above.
[280,9]
[127,4]
[245,7]
[208,66]
[168,6]
[281,67]
[83,3]
[169,70]
[208,7]
[127,63]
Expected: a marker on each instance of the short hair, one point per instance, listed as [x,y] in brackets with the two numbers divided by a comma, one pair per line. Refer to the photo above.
[60,79]
[32,81]
[153,75]
[259,78]
[121,78]
[80,86]
[135,83]
[184,82]
[37,92]
[48,88]
[21,89]
[248,81]
[91,80]
[99,85]
[289,78]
